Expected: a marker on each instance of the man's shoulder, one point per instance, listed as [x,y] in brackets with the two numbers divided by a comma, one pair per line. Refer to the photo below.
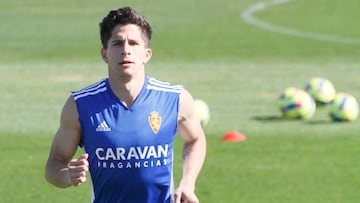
[90,90]
[158,85]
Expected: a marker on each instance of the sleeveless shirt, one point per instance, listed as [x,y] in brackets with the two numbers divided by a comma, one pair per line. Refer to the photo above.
[130,149]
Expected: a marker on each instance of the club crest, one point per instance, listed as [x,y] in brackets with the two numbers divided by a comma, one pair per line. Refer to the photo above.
[155,121]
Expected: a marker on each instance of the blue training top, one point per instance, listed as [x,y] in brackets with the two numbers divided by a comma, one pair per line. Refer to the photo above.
[130,149]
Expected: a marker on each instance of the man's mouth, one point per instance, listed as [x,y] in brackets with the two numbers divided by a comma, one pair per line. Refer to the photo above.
[125,62]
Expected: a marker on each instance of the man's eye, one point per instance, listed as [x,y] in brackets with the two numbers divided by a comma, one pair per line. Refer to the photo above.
[133,43]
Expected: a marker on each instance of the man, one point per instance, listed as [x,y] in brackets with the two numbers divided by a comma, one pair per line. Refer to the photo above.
[126,125]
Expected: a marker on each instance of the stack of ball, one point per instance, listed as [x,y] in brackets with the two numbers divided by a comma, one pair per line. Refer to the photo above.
[297,103]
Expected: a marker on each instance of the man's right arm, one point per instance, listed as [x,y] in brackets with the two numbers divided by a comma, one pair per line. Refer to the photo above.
[60,170]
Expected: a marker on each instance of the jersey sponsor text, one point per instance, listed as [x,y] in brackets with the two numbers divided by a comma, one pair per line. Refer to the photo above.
[134,157]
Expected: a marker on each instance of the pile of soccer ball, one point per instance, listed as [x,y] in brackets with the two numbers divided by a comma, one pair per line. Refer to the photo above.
[297,103]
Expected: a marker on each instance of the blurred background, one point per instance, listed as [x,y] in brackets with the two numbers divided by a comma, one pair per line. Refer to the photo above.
[237,56]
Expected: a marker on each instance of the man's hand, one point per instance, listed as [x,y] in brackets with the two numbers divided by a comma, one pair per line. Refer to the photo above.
[185,196]
[78,169]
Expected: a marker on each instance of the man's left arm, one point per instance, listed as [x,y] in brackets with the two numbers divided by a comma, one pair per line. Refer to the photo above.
[194,150]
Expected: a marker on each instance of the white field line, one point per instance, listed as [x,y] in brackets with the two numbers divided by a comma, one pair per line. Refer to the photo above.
[247,16]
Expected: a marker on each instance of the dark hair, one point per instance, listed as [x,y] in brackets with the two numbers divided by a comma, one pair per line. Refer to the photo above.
[124,16]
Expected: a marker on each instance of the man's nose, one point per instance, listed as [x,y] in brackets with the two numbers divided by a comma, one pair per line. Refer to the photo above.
[125,49]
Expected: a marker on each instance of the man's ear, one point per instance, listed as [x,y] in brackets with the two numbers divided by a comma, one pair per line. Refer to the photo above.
[103,55]
[148,54]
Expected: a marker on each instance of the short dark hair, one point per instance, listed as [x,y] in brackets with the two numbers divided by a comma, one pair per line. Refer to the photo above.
[124,16]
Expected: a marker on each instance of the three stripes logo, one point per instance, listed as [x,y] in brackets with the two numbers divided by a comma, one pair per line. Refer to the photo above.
[103,127]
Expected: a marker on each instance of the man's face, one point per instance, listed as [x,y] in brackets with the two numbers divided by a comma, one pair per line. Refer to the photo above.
[126,53]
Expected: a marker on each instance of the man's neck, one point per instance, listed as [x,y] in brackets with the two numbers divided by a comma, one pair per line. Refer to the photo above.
[127,90]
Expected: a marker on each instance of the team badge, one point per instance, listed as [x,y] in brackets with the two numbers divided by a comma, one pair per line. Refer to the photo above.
[155,121]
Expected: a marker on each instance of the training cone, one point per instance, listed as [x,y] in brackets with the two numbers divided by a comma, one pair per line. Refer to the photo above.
[233,136]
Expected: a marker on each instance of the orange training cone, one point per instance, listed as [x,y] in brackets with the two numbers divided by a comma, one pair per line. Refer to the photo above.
[233,136]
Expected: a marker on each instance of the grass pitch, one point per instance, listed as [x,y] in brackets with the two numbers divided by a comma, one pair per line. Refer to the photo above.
[49,48]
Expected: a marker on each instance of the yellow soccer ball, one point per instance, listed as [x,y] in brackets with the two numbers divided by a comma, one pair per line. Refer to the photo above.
[202,111]
[321,89]
[344,107]
[295,103]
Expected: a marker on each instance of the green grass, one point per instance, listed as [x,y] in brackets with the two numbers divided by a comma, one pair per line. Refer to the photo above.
[50,48]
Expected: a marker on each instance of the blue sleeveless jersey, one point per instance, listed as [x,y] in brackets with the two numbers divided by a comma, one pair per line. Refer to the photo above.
[130,149]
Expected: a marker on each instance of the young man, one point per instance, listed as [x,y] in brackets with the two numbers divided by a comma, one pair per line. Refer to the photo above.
[126,125]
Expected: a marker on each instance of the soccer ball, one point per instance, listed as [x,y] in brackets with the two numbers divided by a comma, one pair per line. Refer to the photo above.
[321,89]
[295,103]
[202,111]
[344,107]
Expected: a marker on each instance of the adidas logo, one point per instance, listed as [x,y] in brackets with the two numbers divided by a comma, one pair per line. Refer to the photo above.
[103,127]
